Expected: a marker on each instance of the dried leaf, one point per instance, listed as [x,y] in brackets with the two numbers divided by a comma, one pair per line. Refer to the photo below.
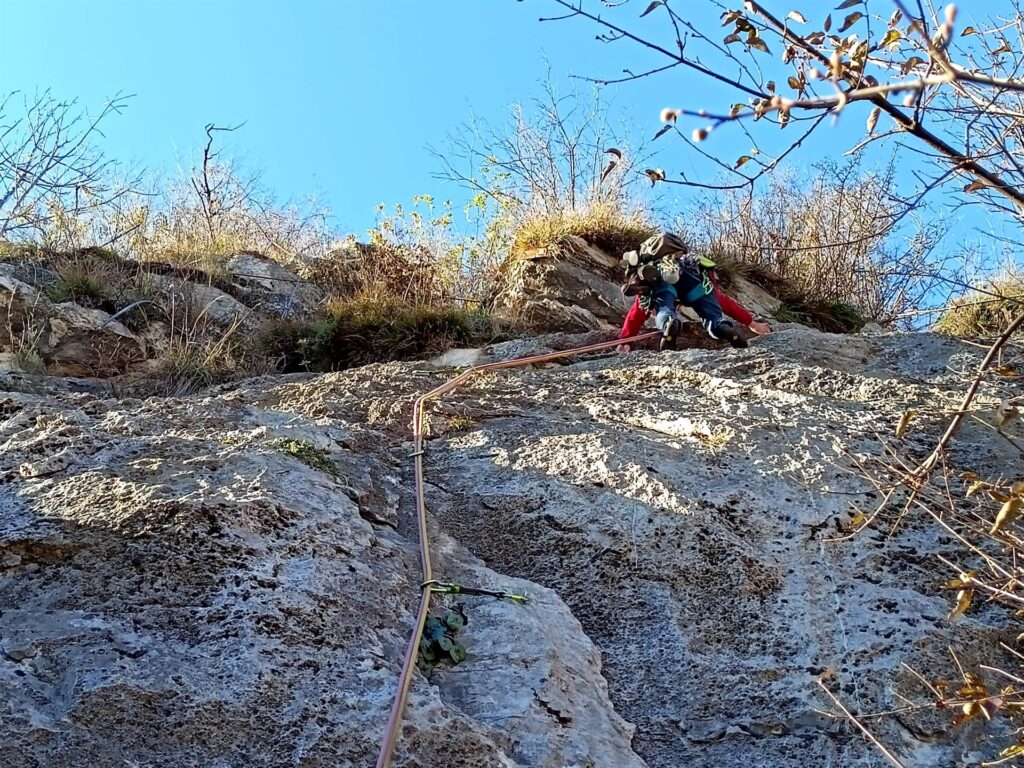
[968,711]
[848,4]
[797,17]
[961,581]
[663,131]
[1017,489]
[963,602]
[1007,513]
[852,19]
[969,31]
[743,161]
[973,688]
[974,186]
[873,121]
[999,496]
[1005,370]
[759,44]
[905,420]
[730,16]
[968,475]
[795,83]
[1005,413]
[770,85]
[892,37]
[651,7]
[976,486]
[911,63]
[816,38]
[655,175]
[858,520]
[730,39]
[896,18]
[828,22]
[991,706]
[608,169]
[1004,48]
[614,151]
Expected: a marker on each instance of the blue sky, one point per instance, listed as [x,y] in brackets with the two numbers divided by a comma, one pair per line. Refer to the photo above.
[342,97]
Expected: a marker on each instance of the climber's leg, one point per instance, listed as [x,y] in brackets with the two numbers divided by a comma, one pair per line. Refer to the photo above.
[715,323]
[665,318]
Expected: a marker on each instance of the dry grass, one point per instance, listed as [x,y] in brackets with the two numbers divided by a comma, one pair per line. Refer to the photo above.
[982,315]
[368,269]
[373,329]
[609,227]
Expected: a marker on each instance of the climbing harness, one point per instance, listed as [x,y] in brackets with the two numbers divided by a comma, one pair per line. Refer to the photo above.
[429,584]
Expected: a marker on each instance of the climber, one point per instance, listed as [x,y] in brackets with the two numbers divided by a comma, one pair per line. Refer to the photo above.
[663,275]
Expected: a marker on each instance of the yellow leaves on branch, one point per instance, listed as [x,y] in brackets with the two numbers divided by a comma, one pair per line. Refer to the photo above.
[905,420]
[1007,513]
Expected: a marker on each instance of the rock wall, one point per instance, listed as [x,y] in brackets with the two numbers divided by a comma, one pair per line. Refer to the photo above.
[179,586]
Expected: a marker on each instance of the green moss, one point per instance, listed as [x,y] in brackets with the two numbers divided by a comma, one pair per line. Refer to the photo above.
[308,454]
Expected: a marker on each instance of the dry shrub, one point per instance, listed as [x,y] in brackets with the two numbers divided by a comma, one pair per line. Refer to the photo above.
[373,329]
[832,238]
[988,311]
[364,269]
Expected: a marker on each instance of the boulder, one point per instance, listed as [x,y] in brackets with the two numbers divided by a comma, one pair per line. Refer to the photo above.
[201,303]
[571,288]
[64,339]
[271,289]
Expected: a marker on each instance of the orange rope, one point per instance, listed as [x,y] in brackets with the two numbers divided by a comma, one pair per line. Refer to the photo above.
[405,679]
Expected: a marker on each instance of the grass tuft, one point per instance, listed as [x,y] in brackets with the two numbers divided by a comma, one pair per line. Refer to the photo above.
[308,454]
[607,227]
[981,315]
[371,330]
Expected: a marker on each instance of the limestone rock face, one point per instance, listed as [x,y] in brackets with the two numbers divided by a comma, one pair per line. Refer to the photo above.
[569,289]
[271,289]
[231,579]
[178,588]
[68,339]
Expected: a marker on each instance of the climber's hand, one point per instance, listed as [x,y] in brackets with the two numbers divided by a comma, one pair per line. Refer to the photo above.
[623,348]
[759,328]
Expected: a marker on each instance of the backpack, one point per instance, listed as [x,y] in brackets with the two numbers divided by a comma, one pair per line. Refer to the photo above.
[663,256]
[656,248]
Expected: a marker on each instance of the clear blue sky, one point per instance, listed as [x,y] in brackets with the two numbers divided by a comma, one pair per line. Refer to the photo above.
[338,96]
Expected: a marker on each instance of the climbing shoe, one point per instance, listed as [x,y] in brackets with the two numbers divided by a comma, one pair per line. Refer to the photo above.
[729,331]
[670,334]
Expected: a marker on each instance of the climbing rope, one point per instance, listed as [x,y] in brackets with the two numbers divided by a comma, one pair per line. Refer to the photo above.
[429,584]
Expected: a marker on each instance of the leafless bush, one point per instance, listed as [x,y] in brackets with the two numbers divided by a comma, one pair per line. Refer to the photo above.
[556,167]
[53,177]
[833,235]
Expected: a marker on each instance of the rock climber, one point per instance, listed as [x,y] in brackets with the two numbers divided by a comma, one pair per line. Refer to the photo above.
[662,275]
